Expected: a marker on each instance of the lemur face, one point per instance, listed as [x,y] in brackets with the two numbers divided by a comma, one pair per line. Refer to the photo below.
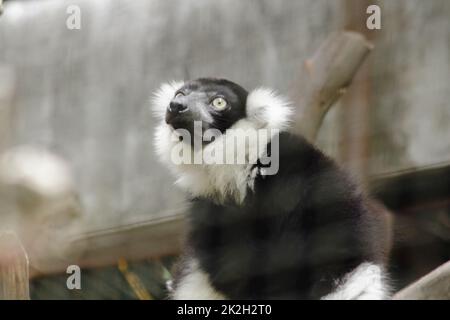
[216,103]
[234,125]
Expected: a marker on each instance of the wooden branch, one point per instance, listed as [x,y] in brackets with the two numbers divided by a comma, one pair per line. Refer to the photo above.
[433,286]
[13,268]
[325,78]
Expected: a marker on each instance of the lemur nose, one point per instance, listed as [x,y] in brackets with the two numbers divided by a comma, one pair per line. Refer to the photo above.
[174,111]
[176,107]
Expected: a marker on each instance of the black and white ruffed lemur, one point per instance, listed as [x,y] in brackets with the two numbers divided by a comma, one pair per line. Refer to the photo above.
[306,232]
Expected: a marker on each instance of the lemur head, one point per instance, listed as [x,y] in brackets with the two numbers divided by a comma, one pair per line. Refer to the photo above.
[216,105]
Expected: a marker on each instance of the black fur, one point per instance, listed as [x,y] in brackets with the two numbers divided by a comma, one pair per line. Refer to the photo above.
[298,232]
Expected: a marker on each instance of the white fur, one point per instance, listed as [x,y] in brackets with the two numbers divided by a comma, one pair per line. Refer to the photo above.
[265,110]
[268,110]
[366,282]
[195,285]
[162,97]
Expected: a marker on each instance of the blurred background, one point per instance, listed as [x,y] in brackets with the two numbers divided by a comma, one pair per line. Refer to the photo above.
[80,183]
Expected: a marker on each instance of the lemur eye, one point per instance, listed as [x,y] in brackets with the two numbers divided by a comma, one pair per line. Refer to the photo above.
[219,103]
[179,94]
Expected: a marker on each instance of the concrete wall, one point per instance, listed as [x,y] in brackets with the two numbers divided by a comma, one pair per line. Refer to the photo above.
[410,77]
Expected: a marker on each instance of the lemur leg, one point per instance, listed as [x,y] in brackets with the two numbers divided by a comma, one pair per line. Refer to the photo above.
[195,285]
[366,282]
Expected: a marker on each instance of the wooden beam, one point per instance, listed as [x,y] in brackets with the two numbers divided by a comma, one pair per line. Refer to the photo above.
[13,268]
[434,286]
[151,238]
[413,188]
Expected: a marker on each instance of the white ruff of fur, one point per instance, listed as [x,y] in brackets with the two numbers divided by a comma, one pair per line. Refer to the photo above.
[265,111]
[366,282]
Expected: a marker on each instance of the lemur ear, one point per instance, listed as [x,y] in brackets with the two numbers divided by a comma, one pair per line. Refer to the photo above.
[268,109]
[162,97]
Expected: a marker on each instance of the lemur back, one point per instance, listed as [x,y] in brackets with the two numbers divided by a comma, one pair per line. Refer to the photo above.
[296,235]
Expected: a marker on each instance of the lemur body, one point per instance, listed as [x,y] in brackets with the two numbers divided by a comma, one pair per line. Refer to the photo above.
[306,232]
